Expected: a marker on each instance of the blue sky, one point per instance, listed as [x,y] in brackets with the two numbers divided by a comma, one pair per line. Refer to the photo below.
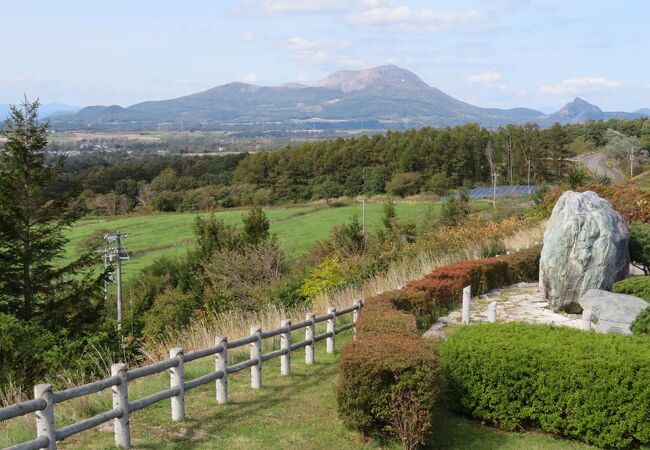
[499,53]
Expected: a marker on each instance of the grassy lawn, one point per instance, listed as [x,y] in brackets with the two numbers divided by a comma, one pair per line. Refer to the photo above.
[287,413]
[171,234]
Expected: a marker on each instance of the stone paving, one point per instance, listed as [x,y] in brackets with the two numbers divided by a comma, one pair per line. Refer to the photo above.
[522,302]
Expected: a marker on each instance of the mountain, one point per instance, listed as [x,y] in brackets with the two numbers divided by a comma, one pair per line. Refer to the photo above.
[46,109]
[384,97]
[580,111]
[643,111]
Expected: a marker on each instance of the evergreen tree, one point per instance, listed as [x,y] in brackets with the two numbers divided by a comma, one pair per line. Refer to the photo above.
[256,226]
[33,284]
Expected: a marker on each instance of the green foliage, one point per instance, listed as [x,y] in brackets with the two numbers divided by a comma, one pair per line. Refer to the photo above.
[389,214]
[585,386]
[214,235]
[404,184]
[641,324]
[454,210]
[256,226]
[171,310]
[640,246]
[32,223]
[578,176]
[348,239]
[638,286]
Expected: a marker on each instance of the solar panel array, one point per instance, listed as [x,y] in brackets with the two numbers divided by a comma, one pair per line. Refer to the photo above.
[501,191]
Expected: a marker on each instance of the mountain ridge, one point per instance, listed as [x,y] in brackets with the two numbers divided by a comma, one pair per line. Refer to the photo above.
[382,97]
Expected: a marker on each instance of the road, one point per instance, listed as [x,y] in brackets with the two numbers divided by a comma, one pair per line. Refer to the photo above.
[597,164]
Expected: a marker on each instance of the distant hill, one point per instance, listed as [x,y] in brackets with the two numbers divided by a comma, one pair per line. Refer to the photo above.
[46,109]
[384,97]
[643,111]
[580,111]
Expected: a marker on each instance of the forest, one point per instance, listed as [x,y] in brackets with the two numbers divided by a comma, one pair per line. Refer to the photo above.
[397,163]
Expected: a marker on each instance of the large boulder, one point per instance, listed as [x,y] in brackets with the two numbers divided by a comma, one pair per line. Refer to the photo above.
[612,313]
[585,247]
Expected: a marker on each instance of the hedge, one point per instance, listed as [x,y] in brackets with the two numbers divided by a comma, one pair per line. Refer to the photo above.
[585,386]
[638,286]
[441,290]
[389,374]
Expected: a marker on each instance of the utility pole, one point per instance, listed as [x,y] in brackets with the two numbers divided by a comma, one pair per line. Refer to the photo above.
[529,175]
[363,216]
[115,252]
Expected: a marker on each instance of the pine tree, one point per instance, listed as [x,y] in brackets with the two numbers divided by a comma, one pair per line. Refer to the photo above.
[256,226]
[33,284]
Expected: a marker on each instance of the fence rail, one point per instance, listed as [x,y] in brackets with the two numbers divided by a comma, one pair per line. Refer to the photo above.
[45,398]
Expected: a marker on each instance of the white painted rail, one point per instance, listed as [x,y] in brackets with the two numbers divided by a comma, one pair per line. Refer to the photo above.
[45,399]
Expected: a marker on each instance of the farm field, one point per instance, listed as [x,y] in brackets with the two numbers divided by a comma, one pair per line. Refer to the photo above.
[288,412]
[298,228]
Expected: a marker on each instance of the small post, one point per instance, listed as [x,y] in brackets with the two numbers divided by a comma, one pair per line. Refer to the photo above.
[492,312]
[586,319]
[285,344]
[256,353]
[467,301]
[121,401]
[310,332]
[176,375]
[355,317]
[331,328]
[221,364]
[45,417]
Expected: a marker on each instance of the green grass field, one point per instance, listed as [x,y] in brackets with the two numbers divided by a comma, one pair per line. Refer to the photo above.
[298,229]
[287,413]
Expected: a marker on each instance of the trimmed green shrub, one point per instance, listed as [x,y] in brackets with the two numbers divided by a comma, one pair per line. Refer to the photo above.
[638,286]
[641,324]
[585,386]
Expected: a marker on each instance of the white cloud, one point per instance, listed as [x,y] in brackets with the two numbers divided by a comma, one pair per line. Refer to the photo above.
[247,36]
[316,52]
[405,18]
[489,76]
[250,78]
[574,85]
[296,6]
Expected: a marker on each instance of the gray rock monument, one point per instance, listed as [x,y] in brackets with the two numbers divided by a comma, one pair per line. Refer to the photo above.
[585,247]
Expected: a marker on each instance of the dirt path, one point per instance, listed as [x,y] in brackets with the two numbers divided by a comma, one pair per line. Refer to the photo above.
[597,164]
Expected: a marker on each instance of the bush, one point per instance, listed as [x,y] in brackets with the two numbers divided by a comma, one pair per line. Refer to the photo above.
[638,286]
[388,376]
[585,386]
[641,324]
[640,246]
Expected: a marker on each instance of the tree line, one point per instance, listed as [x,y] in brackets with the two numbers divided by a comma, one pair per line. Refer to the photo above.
[400,163]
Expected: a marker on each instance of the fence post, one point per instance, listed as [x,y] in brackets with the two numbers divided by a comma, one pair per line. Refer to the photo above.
[45,417]
[256,353]
[355,317]
[331,328]
[467,301]
[121,401]
[492,312]
[176,375]
[310,332]
[221,364]
[285,344]
[586,319]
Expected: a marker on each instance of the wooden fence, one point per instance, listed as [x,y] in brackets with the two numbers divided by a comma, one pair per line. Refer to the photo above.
[45,398]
